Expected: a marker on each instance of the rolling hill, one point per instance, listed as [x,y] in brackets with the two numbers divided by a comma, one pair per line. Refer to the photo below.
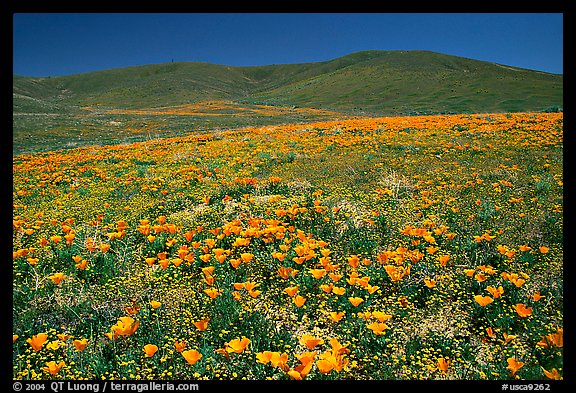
[164,99]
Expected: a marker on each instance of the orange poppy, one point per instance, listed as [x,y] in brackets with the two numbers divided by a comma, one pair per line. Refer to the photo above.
[514,365]
[299,300]
[483,300]
[57,278]
[553,339]
[306,361]
[284,272]
[353,261]
[80,345]
[254,293]
[150,349]
[263,357]
[396,273]
[336,316]
[291,291]
[378,328]
[202,324]
[443,364]
[553,374]
[522,310]
[490,332]
[246,257]
[335,277]
[508,337]
[317,273]
[14,338]
[234,262]
[37,341]
[381,316]
[496,292]
[339,290]
[537,296]
[53,368]
[543,249]
[324,366]
[279,360]
[355,301]
[179,345]
[82,265]
[212,292]
[469,272]
[191,356]
[238,345]
[429,282]
[310,341]
[126,326]
[443,259]
[155,304]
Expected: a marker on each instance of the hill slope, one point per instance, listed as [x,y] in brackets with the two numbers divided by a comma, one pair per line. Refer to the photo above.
[72,108]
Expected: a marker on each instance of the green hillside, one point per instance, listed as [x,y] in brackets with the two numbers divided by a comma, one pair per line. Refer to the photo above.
[87,108]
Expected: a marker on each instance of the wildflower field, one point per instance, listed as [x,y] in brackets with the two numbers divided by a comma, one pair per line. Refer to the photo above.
[398,248]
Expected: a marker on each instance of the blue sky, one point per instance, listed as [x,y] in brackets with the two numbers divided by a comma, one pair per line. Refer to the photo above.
[62,44]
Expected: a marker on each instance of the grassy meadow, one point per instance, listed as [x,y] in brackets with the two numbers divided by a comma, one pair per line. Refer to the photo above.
[392,248]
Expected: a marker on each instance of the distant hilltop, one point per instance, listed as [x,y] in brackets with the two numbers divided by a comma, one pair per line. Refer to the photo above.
[367,82]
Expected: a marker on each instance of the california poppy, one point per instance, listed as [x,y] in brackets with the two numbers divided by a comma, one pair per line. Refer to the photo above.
[336,316]
[338,290]
[53,368]
[155,304]
[82,265]
[378,328]
[246,257]
[126,326]
[310,341]
[237,345]
[306,362]
[202,324]
[291,291]
[324,366]
[212,292]
[430,283]
[37,341]
[522,310]
[80,345]
[263,357]
[514,365]
[443,364]
[280,360]
[57,278]
[355,301]
[317,273]
[381,316]
[553,340]
[150,349]
[443,259]
[179,345]
[299,300]
[483,300]
[553,374]
[191,356]
[496,292]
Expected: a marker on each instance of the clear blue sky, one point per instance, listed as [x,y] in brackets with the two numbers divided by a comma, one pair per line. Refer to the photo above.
[62,44]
